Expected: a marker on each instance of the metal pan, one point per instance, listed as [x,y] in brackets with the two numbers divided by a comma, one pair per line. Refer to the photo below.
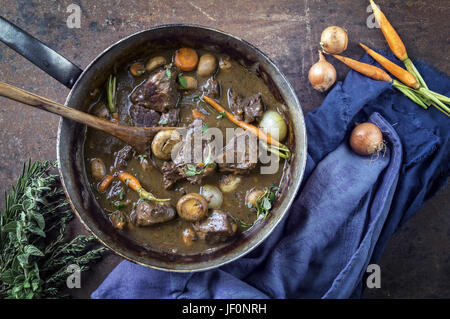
[71,135]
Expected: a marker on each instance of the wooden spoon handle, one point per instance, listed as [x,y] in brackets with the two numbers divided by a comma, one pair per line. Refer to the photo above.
[42,103]
[137,137]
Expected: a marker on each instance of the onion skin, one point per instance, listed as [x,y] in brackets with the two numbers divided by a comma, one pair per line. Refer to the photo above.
[366,139]
[334,40]
[322,74]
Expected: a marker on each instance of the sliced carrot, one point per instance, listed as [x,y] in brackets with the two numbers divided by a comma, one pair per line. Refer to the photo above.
[368,70]
[137,69]
[104,184]
[186,59]
[392,37]
[400,73]
[196,114]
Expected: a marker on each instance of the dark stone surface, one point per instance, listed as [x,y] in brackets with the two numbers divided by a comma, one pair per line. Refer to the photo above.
[416,262]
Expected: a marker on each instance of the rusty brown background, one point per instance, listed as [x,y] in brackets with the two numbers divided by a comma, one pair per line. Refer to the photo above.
[416,262]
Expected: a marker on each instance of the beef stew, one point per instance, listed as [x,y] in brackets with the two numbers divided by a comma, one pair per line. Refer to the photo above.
[221,198]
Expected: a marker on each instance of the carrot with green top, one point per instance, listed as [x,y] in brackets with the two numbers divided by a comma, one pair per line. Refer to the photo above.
[393,39]
[371,71]
[135,185]
[395,42]
[400,73]
[429,97]
[274,146]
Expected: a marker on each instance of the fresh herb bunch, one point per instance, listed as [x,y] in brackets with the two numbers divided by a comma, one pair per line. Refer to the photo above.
[31,264]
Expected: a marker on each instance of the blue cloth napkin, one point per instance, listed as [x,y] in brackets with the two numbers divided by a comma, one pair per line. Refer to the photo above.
[347,208]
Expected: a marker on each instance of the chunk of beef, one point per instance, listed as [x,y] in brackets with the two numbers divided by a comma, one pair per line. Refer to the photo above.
[190,148]
[159,92]
[122,156]
[249,109]
[218,227]
[148,213]
[200,172]
[235,104]
[211,88]
[194,158]
[191,161]
[171,174]
[170,118]
[253,108]
[240,155]
[143,116]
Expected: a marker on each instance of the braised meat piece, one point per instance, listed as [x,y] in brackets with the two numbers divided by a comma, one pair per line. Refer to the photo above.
[235,104]
[249,109]
[143,116]
[149,213]
[171,174]
[159,92]
[122,157]
[253,108]
[240,155]
[211,88]
[218,227]
[193,160]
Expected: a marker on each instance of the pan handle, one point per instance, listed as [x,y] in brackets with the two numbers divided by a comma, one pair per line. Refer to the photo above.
[38,53]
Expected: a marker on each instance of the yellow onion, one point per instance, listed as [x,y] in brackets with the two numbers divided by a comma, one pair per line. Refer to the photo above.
[366,139]
[322,74]
[334,40]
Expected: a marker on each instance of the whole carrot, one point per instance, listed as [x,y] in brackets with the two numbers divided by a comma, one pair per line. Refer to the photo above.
[416,95]
[135,185]
[266,137]
[395,42]
[400,73]
[392,37]
[368,70]
[251,128]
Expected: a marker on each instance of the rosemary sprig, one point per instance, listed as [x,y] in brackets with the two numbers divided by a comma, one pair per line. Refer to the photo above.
[31,264]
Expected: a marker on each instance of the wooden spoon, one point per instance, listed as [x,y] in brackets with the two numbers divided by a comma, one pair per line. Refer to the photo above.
[138,137]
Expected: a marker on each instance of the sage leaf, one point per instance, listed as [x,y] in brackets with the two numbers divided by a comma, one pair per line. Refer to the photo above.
[33,251]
